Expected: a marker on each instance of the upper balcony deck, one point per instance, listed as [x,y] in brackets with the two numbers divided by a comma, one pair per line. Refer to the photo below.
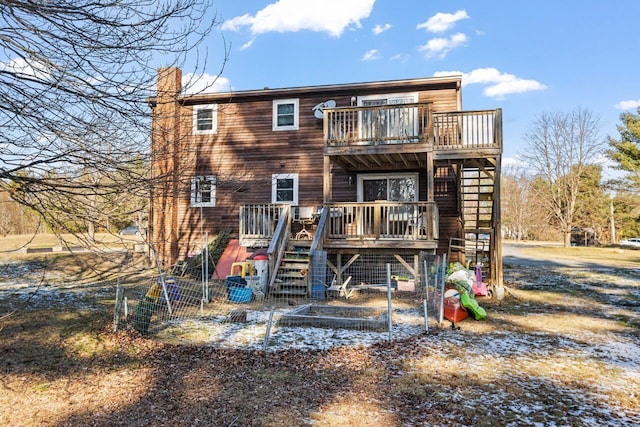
[396,134]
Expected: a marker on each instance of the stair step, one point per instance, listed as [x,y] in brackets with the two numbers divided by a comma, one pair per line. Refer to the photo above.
[295,261]
[475,207]
[482,197]
[297,272]
[291,292]
[290,288]
[292,276]
[296,254]
[301,290]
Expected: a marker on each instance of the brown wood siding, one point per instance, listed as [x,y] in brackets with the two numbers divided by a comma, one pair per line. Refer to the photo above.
[443,100]
[446,197]
[246,151]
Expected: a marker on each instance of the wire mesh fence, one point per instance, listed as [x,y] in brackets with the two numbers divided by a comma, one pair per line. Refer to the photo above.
[370,298]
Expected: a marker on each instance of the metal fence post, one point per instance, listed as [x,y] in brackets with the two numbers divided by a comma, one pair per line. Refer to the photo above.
[268,331]
[426,297]
[441,296]
[389,298]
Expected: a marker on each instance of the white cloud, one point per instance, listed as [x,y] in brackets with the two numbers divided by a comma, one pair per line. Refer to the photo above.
[204,83]
[379,29]
[498,84]
[628,105]
[402,57]
[371,55]
[248,44]
[330,16]
[441,46]
[35,69]
[441,22]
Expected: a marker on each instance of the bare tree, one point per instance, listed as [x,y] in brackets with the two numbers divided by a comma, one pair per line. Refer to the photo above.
[560,148]
[74,78]
[516,204]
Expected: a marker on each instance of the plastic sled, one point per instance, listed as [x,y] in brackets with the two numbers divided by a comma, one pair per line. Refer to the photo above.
[472,306]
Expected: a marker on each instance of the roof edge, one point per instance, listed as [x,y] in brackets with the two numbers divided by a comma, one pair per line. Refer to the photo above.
[454,80]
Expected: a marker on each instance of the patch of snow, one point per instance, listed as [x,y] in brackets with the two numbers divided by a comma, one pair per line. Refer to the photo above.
[250,335]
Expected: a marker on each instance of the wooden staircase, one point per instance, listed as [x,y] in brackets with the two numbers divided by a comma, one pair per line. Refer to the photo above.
[292,277]
[477,184]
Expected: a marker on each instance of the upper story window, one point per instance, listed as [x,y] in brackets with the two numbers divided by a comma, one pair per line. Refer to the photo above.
[203,191]
[284,188]
[205,119]
[285,114]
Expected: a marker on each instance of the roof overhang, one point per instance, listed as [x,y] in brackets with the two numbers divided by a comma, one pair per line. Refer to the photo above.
[427,83]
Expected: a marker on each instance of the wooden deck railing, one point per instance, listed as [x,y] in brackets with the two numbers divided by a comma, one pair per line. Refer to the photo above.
[412,123]
[467,129]
[381,124]
[409,221]
[383,220]
[259,221]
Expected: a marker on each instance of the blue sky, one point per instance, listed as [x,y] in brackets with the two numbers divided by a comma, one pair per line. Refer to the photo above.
[524,57]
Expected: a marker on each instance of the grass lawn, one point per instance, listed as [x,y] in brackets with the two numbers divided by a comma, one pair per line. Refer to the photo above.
[12,242]
[615,256]
[561,349]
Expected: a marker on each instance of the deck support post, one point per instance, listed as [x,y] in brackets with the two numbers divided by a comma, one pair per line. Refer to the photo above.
[430,177]
[496,251]
[326,180]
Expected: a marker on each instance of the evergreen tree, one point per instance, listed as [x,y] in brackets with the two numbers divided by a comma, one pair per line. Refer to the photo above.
[625,152]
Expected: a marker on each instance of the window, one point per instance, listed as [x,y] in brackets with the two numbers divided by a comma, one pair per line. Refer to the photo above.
[203,191]
[285,114]
[205,119]
[390,187]
[284,188]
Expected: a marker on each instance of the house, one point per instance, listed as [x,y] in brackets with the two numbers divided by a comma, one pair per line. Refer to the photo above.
[390,167]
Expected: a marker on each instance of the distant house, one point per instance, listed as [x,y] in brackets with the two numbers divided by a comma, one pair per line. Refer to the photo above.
[390,167]
[583,237]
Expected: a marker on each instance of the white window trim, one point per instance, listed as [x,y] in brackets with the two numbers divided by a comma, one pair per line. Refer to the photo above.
[214,119]
[274,190]
[194,197]
[388,96]
[414,175]
[296,111]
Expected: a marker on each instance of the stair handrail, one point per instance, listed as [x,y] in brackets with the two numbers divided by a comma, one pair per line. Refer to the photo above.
[318,237]
[279,243]
[317,245]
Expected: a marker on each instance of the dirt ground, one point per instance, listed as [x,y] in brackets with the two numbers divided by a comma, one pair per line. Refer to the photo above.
[563,348]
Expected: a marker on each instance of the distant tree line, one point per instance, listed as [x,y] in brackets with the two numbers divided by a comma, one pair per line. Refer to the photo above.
[16,218]
[560,191]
